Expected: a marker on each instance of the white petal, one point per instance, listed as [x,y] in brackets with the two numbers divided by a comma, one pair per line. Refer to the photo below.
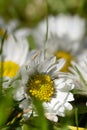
[68,106]
[51,117]
[56,67]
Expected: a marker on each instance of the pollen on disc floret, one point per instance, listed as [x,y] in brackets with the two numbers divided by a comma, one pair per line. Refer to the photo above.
[41,86]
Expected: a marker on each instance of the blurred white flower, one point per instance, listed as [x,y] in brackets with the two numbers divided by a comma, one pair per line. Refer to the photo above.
[14,54]
[82,58]
[40,80]
[22,32]
[12,28]
[9,26]
[63,29]
[79,74]
[65,34]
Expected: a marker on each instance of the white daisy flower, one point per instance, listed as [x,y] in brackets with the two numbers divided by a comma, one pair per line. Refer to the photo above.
[22,32]
[64,36]
[79,74]
[15,54]
[12,28]
[63,26]
[9,26]
[40,80]
[82,58]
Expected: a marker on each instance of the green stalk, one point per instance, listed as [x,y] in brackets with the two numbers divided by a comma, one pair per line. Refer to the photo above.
[46,36]
[76,117]
[1,53]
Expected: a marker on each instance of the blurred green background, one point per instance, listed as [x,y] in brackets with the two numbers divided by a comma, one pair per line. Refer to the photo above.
[30,12]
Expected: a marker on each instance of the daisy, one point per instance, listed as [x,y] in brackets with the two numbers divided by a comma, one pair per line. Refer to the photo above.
[9,26]
[64,36]
[79,74]
[40,81]
[22,32]
[60,25]
[14,53]
[13,28]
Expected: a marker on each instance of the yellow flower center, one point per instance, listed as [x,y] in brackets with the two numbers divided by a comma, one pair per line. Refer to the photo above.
[68,57]
[41,86]
[10,68]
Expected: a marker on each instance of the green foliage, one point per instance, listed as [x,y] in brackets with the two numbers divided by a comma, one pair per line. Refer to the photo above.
[39,122]
[32,44]
[30,12]
[6,103]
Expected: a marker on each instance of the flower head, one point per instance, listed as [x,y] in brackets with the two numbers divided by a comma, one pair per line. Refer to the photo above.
[14,54]
[64,37]
[62,28]
[9,26]
[79,74]
[40,80]
[12,28]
